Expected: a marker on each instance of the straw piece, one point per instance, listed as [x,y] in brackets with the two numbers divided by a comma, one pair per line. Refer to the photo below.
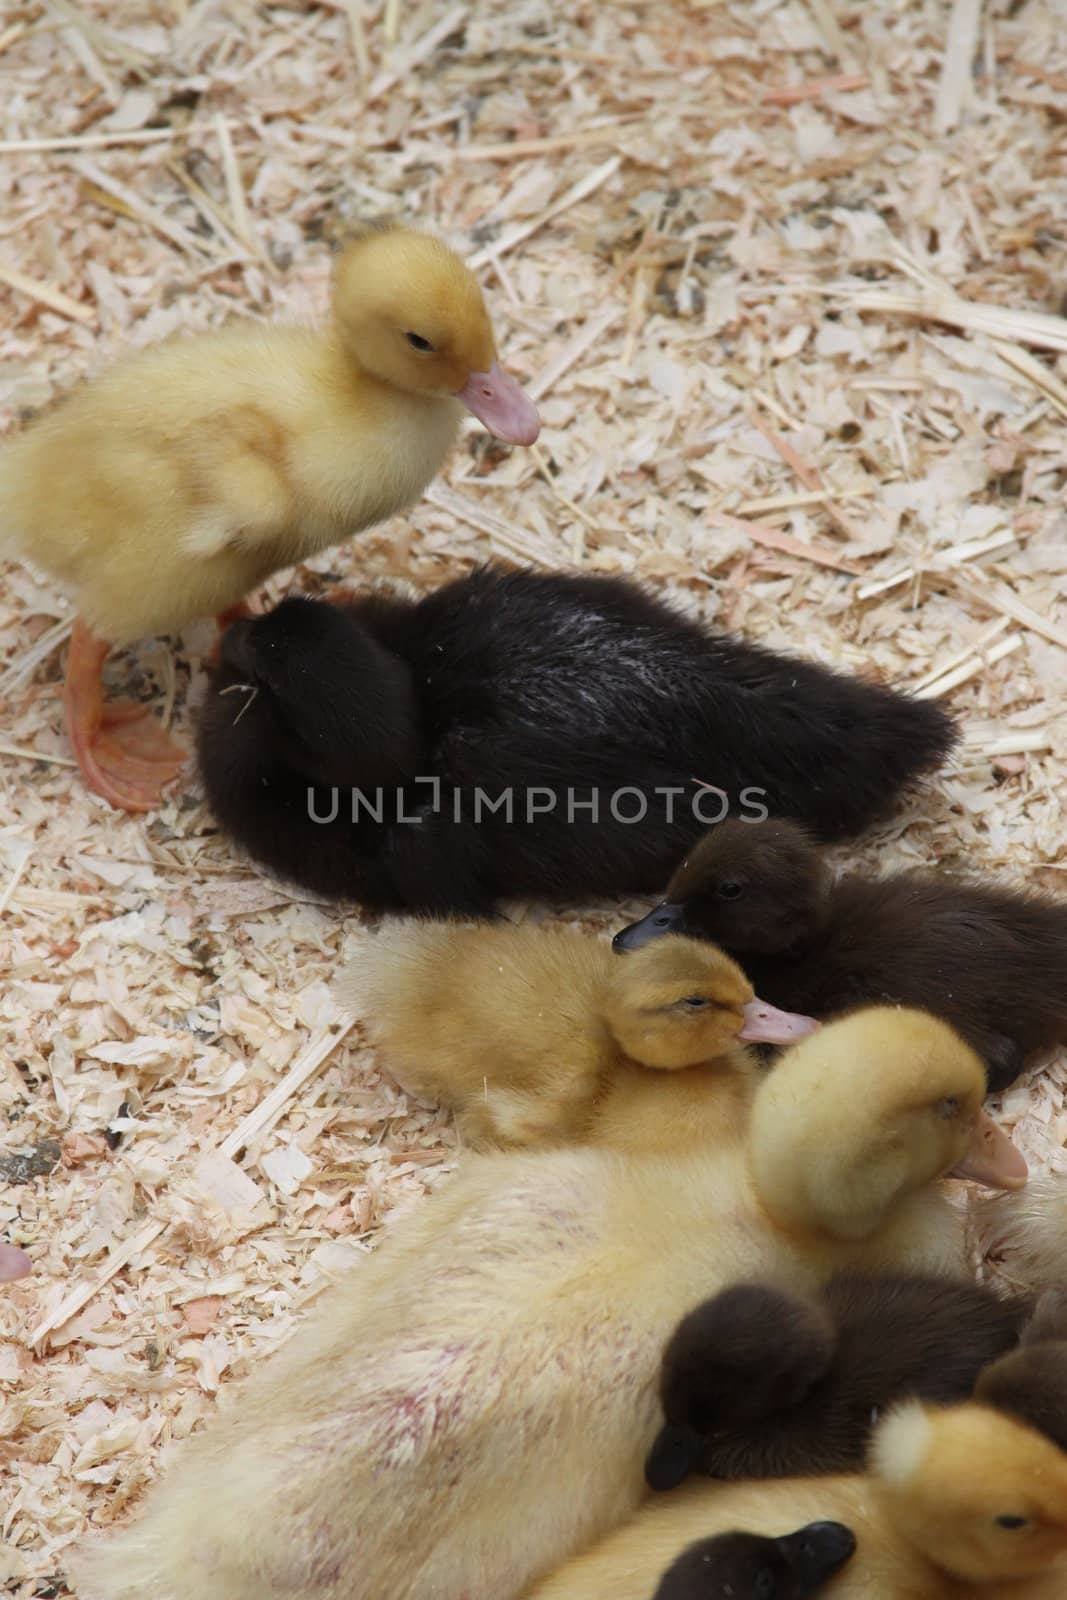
[760,533]
[578,192]
[956,556]
[837,41]
[20,754]
[357,30]
[970,669]
[793,502]
[13,882]
[808,475]
[418,53]
[319,1049]
[976,647]
[140,208]
[209,209]
[242,223]
[24,668]
[520,149]
[1001,322]
[503,533]
[996,597]
[101,141]
[1011,744]
[954,89]
[47,295]
[814,89]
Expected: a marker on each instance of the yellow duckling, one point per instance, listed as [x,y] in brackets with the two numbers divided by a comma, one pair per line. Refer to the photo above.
[183,477]
[473,1405]
[536,1035]
[961,1503]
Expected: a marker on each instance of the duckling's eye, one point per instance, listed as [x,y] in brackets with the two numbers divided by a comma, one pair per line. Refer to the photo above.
[1012,1522]
[417,342]
[696,1002]
[730,889]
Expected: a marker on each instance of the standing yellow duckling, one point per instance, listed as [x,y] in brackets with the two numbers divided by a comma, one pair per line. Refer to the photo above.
[186,475]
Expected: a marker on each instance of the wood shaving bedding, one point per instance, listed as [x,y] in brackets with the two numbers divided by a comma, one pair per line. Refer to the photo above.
[785,281]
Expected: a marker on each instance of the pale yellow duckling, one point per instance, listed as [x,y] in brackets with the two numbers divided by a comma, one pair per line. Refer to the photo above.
[960,1503]
[536,1035]
[472,1406]
[189,472]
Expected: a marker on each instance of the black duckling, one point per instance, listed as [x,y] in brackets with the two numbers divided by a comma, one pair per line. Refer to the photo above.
[991,961]
[549,688]
[760,1383]
[1030,1383]
[751,1566]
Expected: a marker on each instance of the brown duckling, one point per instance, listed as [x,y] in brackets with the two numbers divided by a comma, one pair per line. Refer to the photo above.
[759,1382]
[751,1566]
[1031,1383]
[992,961]
[531,1034]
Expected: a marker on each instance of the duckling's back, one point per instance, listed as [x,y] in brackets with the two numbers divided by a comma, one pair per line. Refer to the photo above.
[188,472]
[469,1405]
[591,680]
[500,1023]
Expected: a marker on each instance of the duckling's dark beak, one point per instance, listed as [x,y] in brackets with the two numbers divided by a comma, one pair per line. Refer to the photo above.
[664,918]
[992,1159]
[498,402]
[817,1551]
[675,1453]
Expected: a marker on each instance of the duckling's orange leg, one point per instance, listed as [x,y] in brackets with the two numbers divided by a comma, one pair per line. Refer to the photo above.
[123,752]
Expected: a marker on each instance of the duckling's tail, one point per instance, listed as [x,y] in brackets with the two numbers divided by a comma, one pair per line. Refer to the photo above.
[383,966]
[1022,1238]
[122,1568]
[903,739]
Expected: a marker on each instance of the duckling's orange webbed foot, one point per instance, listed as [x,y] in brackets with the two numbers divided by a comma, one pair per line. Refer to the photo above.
[123,752]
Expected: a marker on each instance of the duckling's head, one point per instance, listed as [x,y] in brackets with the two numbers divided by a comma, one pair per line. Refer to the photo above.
[751,1566]
[982,1496]
[409,311]
[748,1353]
[680,1002]
[752,886]
[1030,1383]
[868,1110]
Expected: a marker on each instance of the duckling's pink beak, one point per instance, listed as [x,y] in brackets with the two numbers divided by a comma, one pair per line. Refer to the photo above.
[992,1159]
[765,1024]
[14,1263]
[498,402]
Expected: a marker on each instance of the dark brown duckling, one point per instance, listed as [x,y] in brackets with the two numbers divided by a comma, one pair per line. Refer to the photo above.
[1030,1384]
[751,1566]
[989,960]
[760,1383]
